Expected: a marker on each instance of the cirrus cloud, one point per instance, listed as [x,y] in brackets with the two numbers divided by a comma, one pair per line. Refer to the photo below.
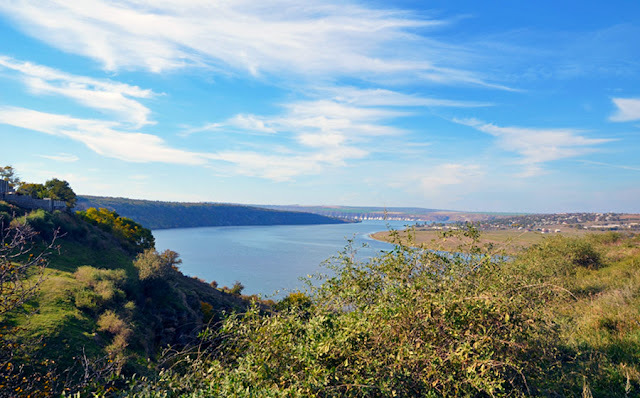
[104,95]
[101,137]
[319,38]
[628,110]
[537,145]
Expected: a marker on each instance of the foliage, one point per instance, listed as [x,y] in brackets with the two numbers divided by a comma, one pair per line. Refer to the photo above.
[37,191]
[60,190]
[101,287]
[556,321]
[153,265]
[157,214]
[295,300]
[55,189]
[8,173]
[21,273]
[236,289]
[133,235]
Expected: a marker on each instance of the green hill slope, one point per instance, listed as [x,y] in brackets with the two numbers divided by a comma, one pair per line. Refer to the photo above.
[101,308]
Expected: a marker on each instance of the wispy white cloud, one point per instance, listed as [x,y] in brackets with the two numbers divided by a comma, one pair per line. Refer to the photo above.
[390,98]
[310,136]
[104,95]
[62,157]
[537,145]
[617,166]
[101,137]
[449,174]
[104,138]
[285,166]
[628,109]
[319,38]
[436,182]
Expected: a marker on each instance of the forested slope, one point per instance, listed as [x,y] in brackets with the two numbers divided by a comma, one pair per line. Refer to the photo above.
[159,215]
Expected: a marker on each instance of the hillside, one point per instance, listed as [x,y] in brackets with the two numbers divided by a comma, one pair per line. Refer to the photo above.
[160,215]
[105,318]
[85,304]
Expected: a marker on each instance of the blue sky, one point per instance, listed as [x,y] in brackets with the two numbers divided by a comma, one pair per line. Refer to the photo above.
[467,105]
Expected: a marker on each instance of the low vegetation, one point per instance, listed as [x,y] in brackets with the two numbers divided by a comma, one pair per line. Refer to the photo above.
[89,307]
[87,302]
[559,320]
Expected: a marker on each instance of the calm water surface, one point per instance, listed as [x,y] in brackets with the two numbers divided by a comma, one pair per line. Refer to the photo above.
[266,258]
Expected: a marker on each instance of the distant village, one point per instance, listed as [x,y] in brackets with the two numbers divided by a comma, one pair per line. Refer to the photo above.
[553,223]
[8,195]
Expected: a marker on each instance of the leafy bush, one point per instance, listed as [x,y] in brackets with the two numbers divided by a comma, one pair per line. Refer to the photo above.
[87,300]
[559,257]
[409,323]
[101,287]
[236,289]
[112,323]
[133,235]
[153,265]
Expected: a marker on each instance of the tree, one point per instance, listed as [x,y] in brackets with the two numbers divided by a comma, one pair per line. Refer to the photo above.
[153,265]
[8,173]
[36,191]
[60,190]
[133,235]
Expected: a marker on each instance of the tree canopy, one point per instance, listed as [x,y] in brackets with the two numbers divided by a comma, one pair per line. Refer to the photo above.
[60,190]
[134,235]
[8,173]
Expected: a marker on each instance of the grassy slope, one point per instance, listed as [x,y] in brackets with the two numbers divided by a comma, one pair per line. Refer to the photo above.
[89,265]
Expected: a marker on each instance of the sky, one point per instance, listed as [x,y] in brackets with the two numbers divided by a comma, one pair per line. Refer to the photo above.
[496,106]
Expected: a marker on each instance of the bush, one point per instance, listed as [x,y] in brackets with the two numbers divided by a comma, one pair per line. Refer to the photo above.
[559,257]
[101,287]
[112,323]
[133,236]
[410,323]
[87,300]
[237,288]
[153,265]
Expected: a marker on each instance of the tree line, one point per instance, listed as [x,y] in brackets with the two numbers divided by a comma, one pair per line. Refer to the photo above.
[54,188]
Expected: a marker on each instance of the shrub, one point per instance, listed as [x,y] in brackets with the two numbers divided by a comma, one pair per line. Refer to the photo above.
[237,288]
[410,323]
[558,320]
[154,265]
[132,235]
[559,257]
[101,287]
[207,311]
[87,300]
[111,322]
[294,301]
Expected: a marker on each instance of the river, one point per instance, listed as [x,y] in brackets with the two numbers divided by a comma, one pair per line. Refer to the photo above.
[267,260]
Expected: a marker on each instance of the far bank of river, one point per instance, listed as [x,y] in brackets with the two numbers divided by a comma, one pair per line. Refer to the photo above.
[266,259]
